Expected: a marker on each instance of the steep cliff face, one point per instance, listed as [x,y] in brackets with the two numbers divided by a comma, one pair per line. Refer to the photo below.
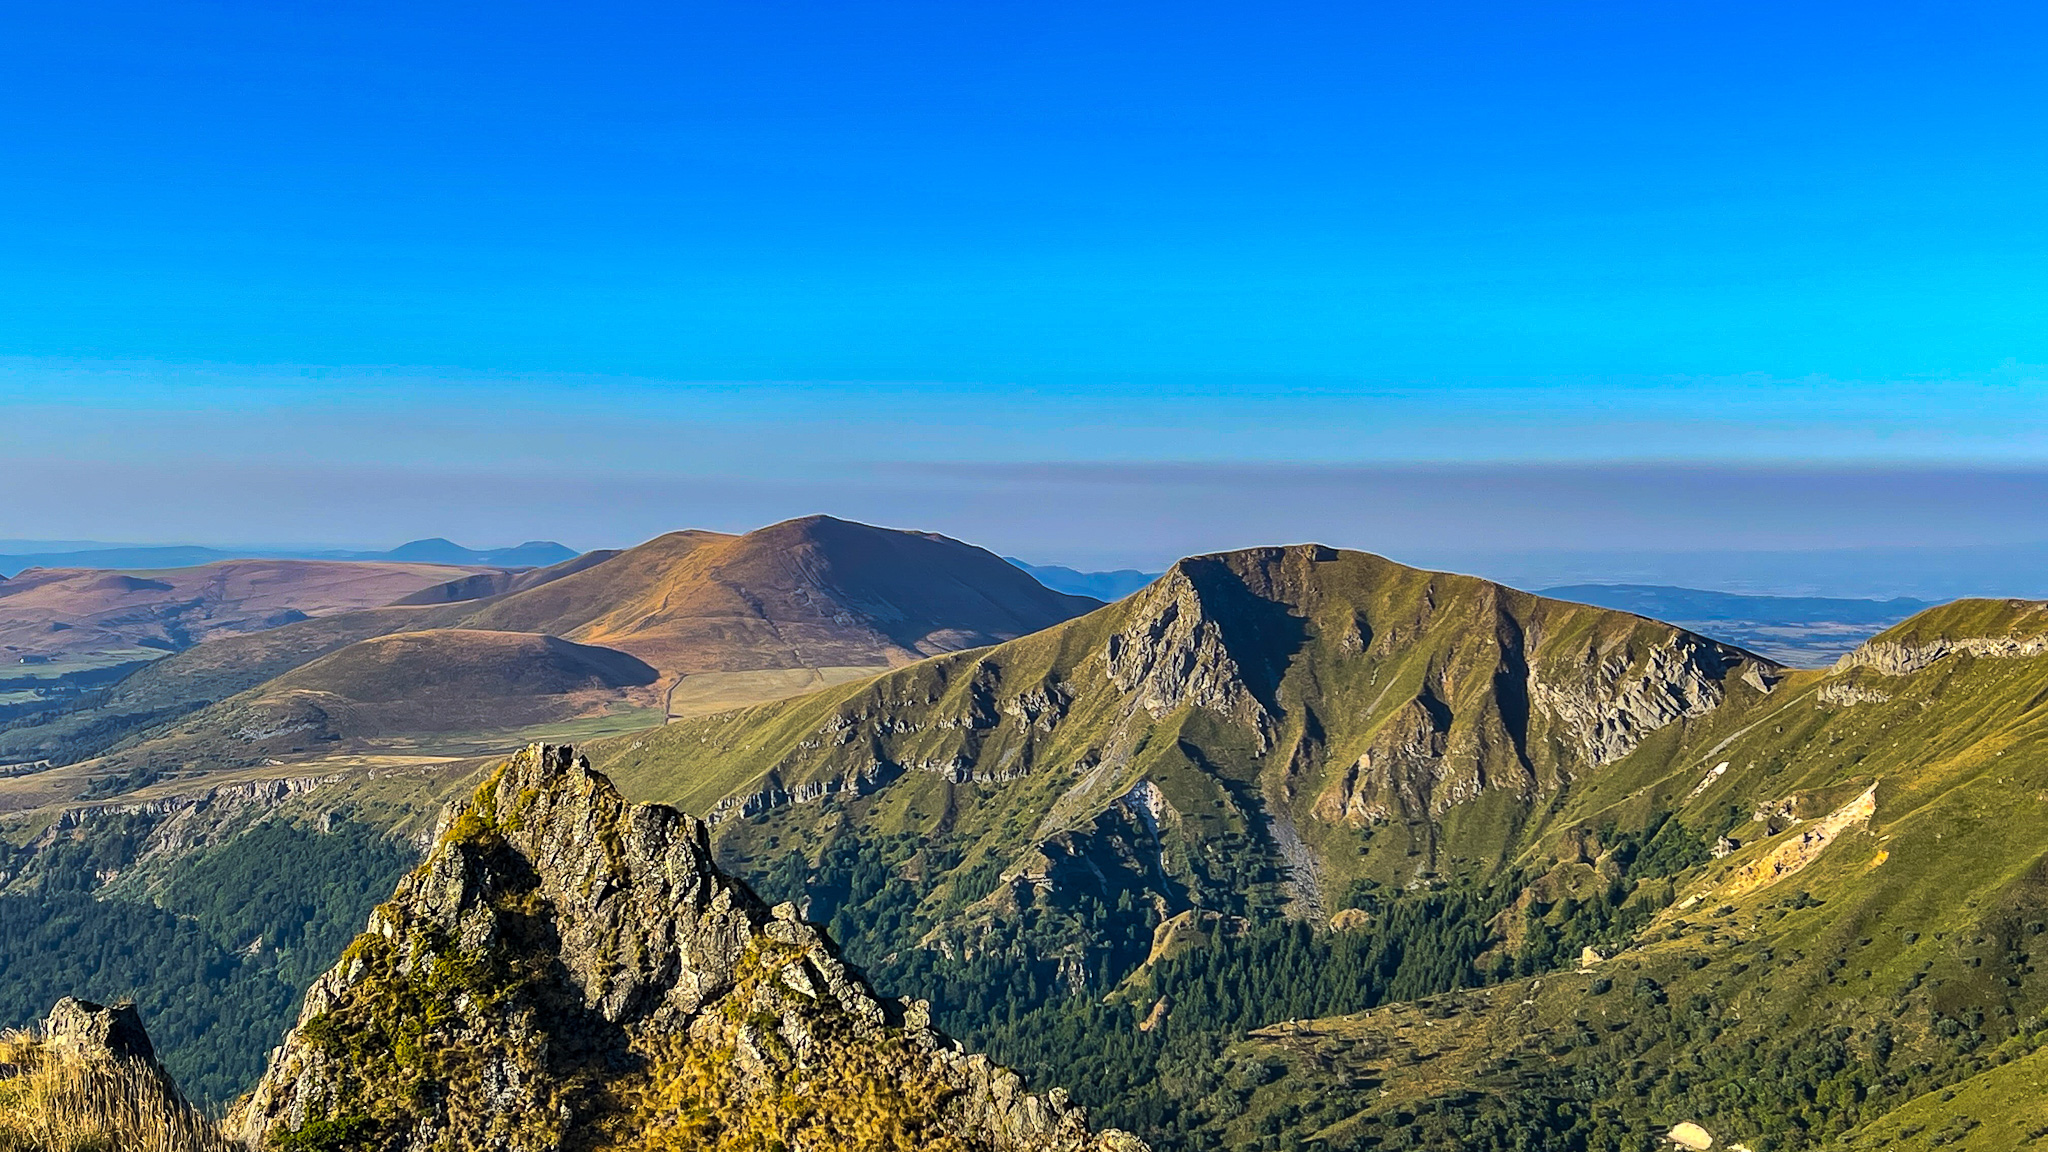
[568,970]
[1609,702]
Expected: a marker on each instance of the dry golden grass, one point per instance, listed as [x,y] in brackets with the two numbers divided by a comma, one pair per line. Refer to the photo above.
[849,1093]
[55,1100]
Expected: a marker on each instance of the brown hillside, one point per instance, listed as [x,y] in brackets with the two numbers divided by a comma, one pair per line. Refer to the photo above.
[63,611]
[811,593]
[409,686]
[725,620]
[456,665]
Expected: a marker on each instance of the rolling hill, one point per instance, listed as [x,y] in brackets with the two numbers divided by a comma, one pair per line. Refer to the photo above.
[51,612]
[415,688]
[724,620]
[804,594]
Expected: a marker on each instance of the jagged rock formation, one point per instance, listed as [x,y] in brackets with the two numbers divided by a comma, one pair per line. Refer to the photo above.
[1612,704]
[568,970]
[1174,652]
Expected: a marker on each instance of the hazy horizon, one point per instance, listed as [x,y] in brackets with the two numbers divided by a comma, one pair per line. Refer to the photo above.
[1091,285]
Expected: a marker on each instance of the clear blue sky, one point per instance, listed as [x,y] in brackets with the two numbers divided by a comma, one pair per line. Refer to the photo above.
[707,263]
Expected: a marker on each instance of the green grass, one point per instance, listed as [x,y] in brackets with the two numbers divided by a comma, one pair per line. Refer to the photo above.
[2003,1109]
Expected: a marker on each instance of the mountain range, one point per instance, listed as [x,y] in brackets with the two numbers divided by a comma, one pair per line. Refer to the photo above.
[684,623]
[86,554]
[1293,847]
[1103,586]
[1546,852]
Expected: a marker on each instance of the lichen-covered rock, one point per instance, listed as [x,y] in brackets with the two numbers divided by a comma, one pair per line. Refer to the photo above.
[568,970]
[94,1031]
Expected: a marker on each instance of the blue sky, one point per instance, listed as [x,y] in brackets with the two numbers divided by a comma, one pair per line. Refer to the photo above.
[714,263]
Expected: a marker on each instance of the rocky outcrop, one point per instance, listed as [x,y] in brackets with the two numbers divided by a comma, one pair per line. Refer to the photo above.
[1902,658]
[1798,851]
[568,970]
[1848,694]
[1174,653]
[89,1079]
[97,1032]
[1612,702]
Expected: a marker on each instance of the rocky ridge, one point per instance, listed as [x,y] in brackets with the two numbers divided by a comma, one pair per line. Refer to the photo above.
[568,970]
[1898,658]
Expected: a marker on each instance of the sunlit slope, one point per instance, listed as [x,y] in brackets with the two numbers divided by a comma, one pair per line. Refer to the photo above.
[51,611]
[810,593]
[1258,731]
[1869,938]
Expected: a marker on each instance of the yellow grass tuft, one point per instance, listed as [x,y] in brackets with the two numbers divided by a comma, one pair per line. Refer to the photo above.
[53,1099]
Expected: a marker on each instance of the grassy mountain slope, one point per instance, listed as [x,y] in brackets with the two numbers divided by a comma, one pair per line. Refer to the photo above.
[410,685]
[484,585]
[809,593]
[1260,739]
[1345,712]
[1858,969]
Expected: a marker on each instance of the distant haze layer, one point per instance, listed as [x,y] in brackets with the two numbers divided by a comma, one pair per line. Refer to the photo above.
[1881,532]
